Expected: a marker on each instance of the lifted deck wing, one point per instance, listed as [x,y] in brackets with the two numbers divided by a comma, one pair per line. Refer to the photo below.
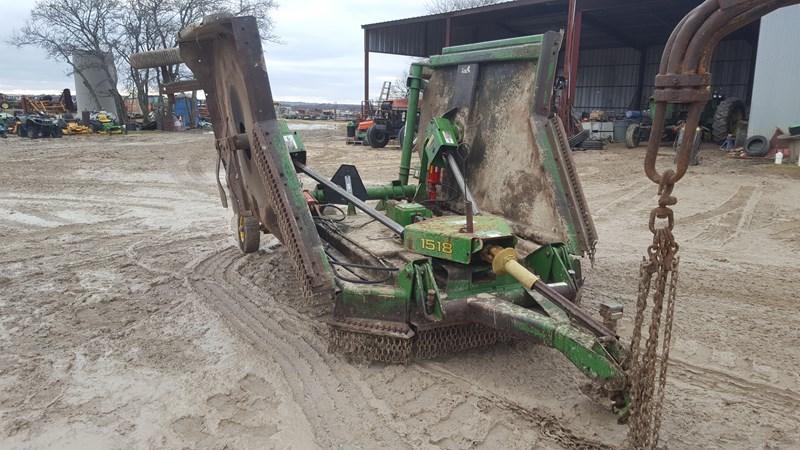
[227,60]
[518,161]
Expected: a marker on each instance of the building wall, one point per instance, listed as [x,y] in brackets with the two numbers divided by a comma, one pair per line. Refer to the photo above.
[775,99]
[607,78]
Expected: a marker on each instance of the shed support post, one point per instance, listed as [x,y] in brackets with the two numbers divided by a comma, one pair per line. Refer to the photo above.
[365,106]
[574,23]
[448,32]
[636,102]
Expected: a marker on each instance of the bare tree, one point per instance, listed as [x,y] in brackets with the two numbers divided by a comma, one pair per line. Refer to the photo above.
[400,86]
[136,35]
[444,6]
[260,9]
[65,28]
[124,27]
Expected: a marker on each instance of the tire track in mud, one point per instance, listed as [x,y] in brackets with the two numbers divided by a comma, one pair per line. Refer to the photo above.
[325,386]
[548,425]
[319,391]
[634,195]
[759,395]
[733,217]
[736,201]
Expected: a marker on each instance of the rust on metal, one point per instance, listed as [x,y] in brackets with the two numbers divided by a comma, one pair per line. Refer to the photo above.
[683,78]
[227,60]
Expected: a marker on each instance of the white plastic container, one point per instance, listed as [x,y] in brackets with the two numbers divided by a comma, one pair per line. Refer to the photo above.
[779,157]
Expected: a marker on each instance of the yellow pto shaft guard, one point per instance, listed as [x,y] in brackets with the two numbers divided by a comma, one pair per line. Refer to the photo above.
[504,261]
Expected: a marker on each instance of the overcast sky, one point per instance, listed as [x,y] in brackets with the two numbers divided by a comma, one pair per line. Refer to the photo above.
[320,59]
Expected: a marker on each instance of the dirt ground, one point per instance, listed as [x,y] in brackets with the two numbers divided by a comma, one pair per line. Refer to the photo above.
[129,319]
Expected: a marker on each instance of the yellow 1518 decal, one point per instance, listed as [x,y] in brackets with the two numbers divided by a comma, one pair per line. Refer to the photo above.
[437,246]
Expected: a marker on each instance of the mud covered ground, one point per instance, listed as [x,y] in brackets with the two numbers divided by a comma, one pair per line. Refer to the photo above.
[129,319]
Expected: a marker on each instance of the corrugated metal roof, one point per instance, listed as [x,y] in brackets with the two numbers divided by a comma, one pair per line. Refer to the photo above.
[459,13]
[620,23]
[607,78]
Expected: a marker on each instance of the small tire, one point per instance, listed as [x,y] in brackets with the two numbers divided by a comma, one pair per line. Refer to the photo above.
[632,136]
[757,146]
[377,138]
[248,233]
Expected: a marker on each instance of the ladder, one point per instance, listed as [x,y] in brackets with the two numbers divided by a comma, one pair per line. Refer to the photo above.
[386,90]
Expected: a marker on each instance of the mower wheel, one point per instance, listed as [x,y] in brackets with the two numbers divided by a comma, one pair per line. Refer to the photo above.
[22,131]
[57,132]
[729,113]
[632,136]
[377,138]
[248,233]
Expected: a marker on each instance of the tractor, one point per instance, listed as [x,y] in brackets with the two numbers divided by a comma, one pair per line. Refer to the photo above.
[721,117]
[380,124]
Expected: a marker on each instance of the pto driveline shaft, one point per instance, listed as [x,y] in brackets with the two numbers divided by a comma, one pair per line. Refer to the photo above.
[504,261]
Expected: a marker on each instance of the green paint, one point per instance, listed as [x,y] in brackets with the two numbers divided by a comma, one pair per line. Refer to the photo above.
[440,136]
[535,39]
[414,89]
[407,213]
[580,347]
[388,192]
[553,263]
[281,143]
[443,237]
[373,302]
[500,54]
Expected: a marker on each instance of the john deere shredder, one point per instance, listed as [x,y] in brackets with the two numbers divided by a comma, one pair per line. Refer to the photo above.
[481,236]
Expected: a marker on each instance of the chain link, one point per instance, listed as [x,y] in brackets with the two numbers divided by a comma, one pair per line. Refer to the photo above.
[647,375]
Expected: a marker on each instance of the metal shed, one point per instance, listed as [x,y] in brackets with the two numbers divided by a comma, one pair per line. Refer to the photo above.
[775,102]
[610,55]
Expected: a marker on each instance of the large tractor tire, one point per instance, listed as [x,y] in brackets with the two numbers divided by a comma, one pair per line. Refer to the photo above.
[377,138]
[248,233]
[633,136]
[729,113]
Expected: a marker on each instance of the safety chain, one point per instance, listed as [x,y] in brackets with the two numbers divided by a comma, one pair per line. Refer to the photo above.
[647,375]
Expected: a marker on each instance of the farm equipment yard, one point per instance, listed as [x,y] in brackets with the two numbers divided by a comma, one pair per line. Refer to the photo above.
[129,318]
